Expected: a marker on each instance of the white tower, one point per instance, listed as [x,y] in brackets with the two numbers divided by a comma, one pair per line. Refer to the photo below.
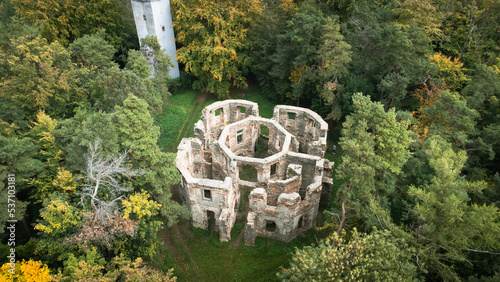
[153,17]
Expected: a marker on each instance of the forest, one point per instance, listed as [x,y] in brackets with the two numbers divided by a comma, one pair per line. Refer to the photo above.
[89,130]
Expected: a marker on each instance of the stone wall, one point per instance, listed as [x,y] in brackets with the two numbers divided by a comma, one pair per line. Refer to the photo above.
[307,126]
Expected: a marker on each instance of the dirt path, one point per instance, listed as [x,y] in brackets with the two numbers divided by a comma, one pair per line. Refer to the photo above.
[238,240]
[193,265]
[202,97]
[166,240]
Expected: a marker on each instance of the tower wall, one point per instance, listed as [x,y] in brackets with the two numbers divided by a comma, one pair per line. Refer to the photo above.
[153,17]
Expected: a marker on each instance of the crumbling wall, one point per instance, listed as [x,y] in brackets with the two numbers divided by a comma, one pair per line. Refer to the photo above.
[307,126]
[219,114]
[283,221]
[202,194]
[289,185]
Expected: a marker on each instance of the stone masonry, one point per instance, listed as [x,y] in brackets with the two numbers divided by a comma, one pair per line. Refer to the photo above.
[284,157]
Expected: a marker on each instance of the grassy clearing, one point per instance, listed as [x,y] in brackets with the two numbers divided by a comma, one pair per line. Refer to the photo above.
[172,120]
[193,116]
[211,260]
[266,107]
[184,99]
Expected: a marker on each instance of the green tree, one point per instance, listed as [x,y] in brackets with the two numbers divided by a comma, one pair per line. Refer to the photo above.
[75,134]
[213,40]
[375,146]
[17,156]
[482,93]
[92,51]
[451,118]
[152,64]
[388,58]
[137,131]
[263,39]
[333,55]
[294,62]
[137,270]
[377,256]
[89,267]
[109,87]
[449,226]
[39,76]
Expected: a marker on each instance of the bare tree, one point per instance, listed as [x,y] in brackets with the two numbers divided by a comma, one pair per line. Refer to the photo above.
[102,181]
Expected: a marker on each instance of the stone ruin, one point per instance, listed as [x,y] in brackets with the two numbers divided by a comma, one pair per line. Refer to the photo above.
[281,160]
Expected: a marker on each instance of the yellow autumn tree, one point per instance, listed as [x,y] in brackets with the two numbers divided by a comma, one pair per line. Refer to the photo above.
[140,206]
[64,180]
[58,216]
[426,95]
[66,20]
[42,133]
[212,36]
[450,71]
[25,271]
[423,13]
[38,75]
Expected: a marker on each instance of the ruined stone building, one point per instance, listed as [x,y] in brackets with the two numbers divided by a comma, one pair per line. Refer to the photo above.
[284,156]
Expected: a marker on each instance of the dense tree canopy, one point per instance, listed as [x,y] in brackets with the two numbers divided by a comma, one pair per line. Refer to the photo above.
[378,257]
[213,41]
[411,89]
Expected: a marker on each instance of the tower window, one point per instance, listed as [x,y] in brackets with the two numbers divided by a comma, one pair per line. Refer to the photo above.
[163,28]
[239,136]
[207,194]
[144,17]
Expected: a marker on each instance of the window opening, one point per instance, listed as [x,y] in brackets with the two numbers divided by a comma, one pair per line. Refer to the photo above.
[299,224]
[239,136]
[207,194]
[273,169]
[270,225]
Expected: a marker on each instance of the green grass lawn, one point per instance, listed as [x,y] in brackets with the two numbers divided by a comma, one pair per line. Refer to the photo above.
[177,121]
[266,107]
[208,259]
